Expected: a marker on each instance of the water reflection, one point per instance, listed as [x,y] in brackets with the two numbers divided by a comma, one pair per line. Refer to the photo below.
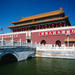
[40,66]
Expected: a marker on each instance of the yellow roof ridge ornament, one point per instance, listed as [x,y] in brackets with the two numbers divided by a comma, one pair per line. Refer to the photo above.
[61,9]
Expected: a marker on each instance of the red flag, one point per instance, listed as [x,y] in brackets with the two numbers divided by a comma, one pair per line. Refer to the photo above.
[1,29]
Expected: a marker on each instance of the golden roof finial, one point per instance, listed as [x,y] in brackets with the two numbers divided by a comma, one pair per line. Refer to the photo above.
[61,9]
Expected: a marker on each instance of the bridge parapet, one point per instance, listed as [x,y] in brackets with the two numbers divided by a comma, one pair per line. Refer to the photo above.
[20,52]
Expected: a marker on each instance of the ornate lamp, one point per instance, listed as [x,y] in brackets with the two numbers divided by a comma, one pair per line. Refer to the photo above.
[52,25]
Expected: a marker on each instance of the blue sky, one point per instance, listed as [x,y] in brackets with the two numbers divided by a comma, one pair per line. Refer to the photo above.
[13,10]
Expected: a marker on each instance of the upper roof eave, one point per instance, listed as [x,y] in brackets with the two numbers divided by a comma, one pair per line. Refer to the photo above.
[40,16]
[66,17]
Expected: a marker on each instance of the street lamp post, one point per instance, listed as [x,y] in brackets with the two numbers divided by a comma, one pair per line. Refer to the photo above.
[12,41]
[68,39]
[2,41]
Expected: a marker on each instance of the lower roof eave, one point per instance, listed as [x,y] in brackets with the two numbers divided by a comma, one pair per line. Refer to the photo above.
[52,20]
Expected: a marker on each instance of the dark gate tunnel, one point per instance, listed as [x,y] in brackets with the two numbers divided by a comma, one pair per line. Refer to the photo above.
[43,42]
[8,58]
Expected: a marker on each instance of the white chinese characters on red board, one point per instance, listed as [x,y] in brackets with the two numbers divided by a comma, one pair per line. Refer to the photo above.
[57,32]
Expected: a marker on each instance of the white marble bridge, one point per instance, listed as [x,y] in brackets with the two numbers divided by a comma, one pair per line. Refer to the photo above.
[16,53]
[21,51]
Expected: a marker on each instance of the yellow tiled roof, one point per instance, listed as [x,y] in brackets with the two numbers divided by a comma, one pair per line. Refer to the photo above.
[55,19]
[41,15]
[71,39]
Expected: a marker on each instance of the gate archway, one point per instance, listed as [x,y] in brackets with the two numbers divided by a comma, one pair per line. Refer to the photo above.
[43,42]
[58,43]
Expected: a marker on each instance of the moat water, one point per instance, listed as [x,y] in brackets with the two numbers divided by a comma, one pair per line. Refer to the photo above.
[40,66]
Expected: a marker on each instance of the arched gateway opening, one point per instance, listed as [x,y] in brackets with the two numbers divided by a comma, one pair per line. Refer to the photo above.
[43,42]
[58,43]
[28,41]
[8,58]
